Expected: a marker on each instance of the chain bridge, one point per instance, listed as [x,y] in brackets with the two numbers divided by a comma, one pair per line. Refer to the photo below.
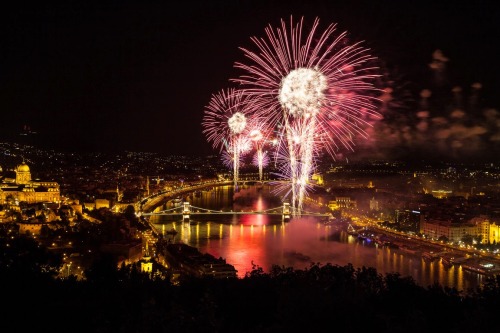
[186,210]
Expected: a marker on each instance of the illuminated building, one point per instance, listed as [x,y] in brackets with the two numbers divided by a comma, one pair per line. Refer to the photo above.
[440,194]
[494,233]
[333,205]
[17,186]
[477,227]
[345,202]
[483,227]
[317,179]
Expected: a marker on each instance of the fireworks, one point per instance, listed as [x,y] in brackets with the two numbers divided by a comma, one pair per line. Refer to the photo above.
[313,90]
[225,125]
[259,136]
[261,160]
[315,87]
[237,123]
[223,118]
[301,92]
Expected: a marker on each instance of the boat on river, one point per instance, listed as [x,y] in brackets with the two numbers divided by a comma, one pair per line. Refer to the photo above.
[446,262]
[458,259]
[410,249]
[481,266]
[382,240]
[432,255]
[449,259]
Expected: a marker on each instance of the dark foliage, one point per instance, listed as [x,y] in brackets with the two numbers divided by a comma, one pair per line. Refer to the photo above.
[322,298]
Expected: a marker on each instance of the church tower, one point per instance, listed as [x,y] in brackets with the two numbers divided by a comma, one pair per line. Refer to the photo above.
[119,195]
[146,263]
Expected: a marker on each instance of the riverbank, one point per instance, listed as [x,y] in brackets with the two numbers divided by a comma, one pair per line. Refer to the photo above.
[469,260]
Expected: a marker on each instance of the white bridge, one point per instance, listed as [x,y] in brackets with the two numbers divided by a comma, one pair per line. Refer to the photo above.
[186,210]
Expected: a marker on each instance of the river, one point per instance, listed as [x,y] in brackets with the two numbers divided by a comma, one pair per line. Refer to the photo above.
[263,241]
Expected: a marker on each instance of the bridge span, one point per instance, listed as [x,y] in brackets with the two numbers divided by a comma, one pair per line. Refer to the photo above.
[186,210]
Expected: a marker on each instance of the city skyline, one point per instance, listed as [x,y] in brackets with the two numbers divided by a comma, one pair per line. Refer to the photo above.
[136,77]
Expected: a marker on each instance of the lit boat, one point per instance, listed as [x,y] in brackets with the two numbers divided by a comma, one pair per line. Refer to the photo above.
[430,255]
[446,261]
[481,266]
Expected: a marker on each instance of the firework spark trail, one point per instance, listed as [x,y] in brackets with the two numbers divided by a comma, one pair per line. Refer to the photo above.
[302,151]
[307,155]
[240,146]
[256,137]
[259,135]
[261,160]
[284,187]
[316,88]
[292,141]
[225,125]
[227,158]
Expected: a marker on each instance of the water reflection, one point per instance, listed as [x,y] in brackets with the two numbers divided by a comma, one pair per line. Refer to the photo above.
[244,240]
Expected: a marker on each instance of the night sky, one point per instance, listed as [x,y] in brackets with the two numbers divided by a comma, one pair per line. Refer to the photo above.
[137,75]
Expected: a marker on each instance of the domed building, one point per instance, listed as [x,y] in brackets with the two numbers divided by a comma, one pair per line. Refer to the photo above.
[17,186]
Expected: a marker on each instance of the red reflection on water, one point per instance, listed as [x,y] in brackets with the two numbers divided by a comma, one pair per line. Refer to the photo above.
[256,219]
[251,200]
[246,244]
[259,205]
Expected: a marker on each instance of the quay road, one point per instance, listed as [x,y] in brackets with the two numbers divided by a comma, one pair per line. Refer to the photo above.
[362,221]
[148,203]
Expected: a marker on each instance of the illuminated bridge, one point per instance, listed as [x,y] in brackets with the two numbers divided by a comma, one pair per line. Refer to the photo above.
[186,210]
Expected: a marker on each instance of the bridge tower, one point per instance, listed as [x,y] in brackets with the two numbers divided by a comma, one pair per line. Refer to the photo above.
[286,211]
[186,209]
